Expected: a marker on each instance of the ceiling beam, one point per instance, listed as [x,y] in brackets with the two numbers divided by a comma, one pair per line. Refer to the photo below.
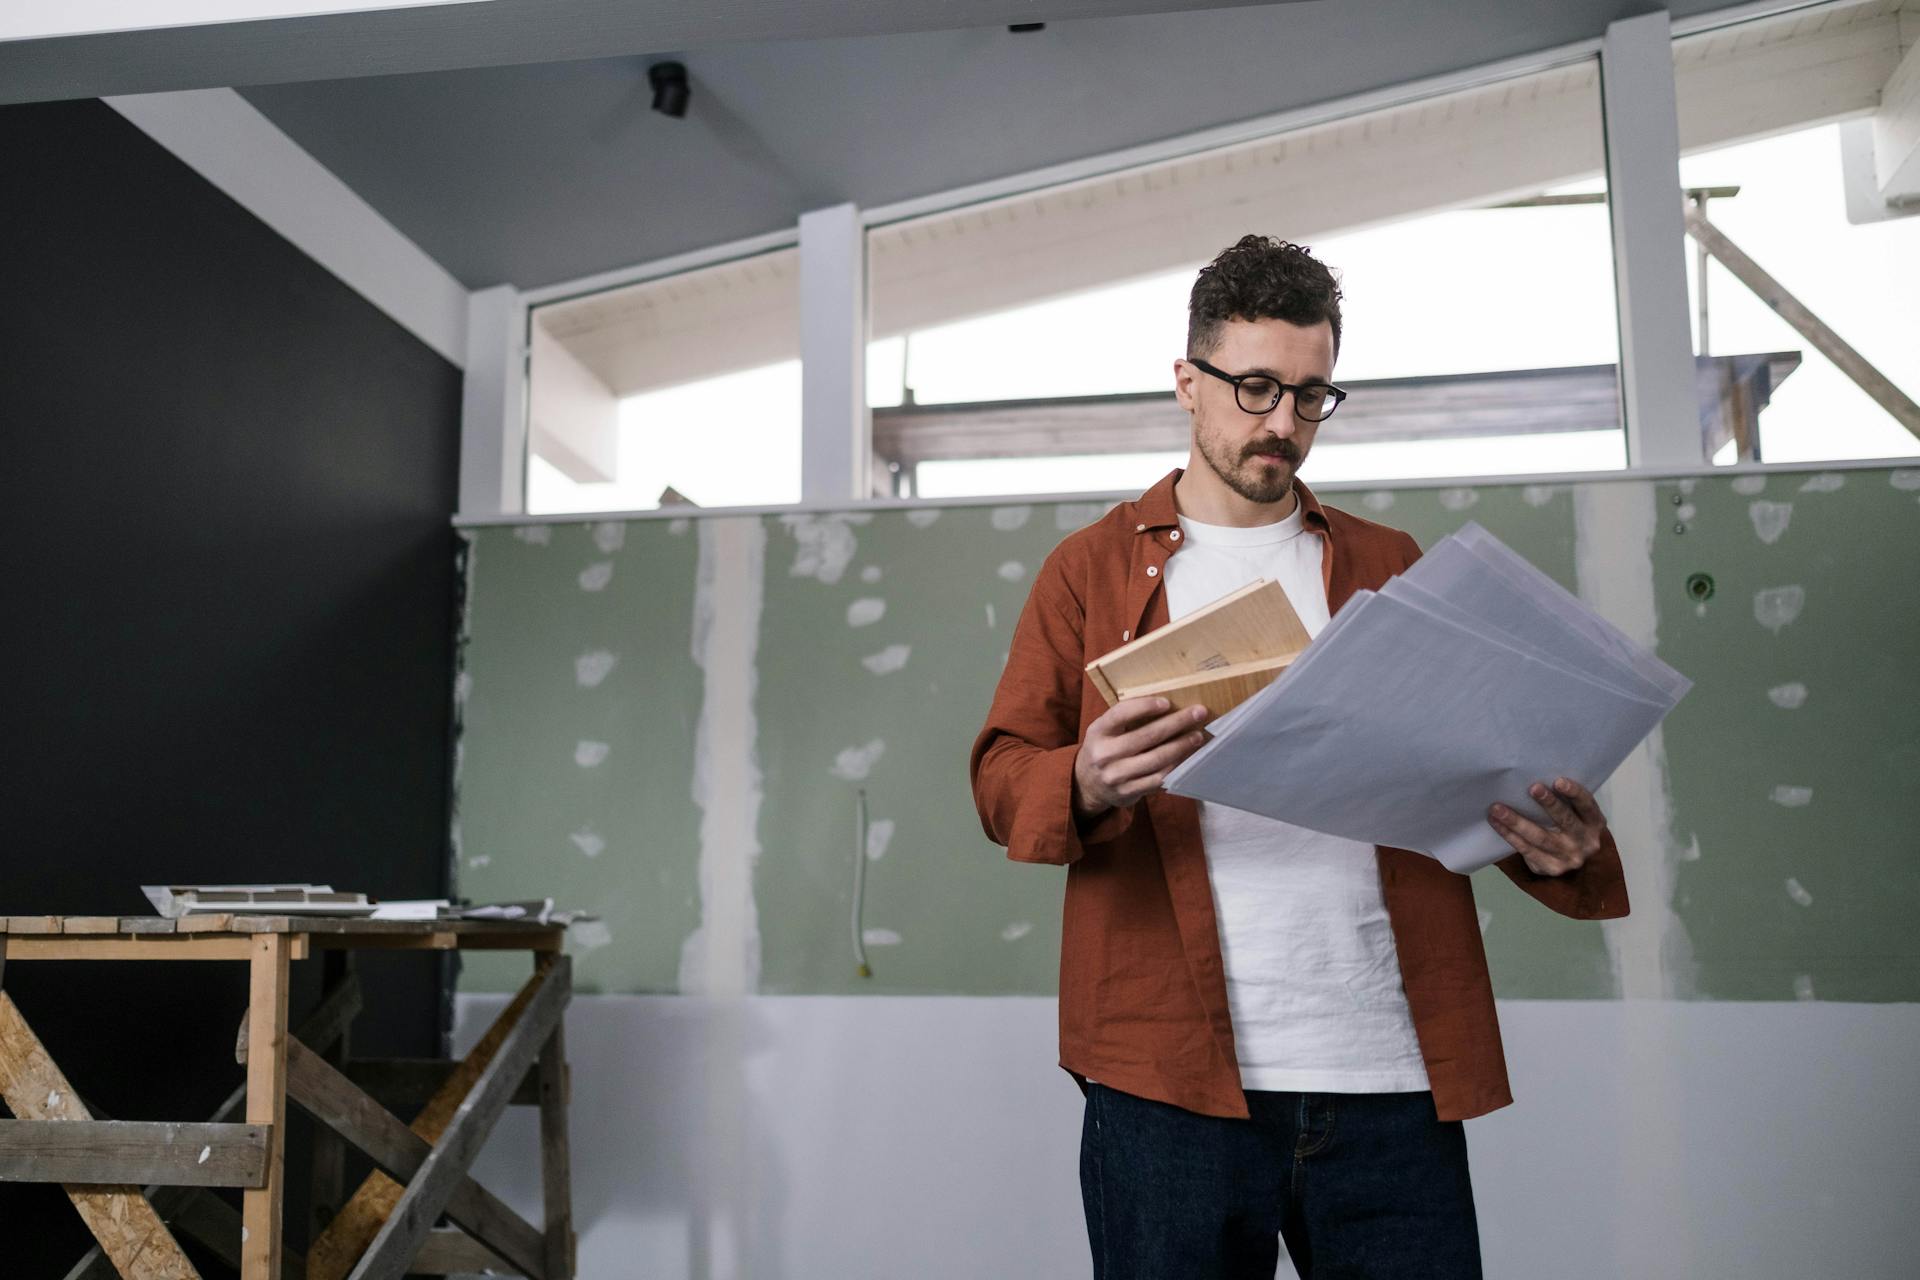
[446,37]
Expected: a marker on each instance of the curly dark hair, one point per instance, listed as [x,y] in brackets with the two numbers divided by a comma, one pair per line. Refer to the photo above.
[1261,278]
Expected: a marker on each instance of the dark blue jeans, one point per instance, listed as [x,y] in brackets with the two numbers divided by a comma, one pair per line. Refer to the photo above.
[1359,1185]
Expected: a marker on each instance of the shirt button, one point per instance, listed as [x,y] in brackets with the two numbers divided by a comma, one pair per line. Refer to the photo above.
[1126,635]
[1139,528]
[1175,535]
[1153,571]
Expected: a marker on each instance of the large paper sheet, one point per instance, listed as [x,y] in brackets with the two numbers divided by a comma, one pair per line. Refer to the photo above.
[1458,685]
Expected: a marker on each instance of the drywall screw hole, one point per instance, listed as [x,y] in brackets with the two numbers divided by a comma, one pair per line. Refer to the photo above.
[1699,586]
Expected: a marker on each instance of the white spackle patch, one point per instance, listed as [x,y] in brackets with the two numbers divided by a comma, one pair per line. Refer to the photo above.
[1700,611]
[1007,519]
[609,535]
[1747,486]
[921,517]
[879,836]
[1377,500]
[866,611]
[1692,852]
[721,957]
[1458,499]
[1069,516]
[1012,571]
[206,1154]
[1769,519]
[880,937]
[596,576]
[1486,918]
[870,574]
[1686,511]
[1791,797]
[463,687]
[1775,607]
[244,1234]
[53,1098]
[1798,892]
[679,525]
[1825,482]
[824,546]
[1016,931]
[888,660]
[1788,697]
[1803,986]
[534,535]
[1686,485]
[480,860]
[589,842]
[1537,495]
[855,763]
[588,935]
[1651,956]
[588,754]
[589,669]
[990,618]
[1906,479]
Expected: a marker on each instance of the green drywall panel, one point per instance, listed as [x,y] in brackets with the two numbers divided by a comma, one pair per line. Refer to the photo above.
[1801,875]
[575,776]
[948,913]
[966,919]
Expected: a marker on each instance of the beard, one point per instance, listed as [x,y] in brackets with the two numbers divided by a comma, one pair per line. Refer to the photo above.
[1243,471]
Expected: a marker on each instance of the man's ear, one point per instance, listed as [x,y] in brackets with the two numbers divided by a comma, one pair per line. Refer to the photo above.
[1183,375]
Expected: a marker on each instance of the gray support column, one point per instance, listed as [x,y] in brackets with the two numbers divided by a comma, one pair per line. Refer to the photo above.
[493,409]
[1649,243]
[835,431]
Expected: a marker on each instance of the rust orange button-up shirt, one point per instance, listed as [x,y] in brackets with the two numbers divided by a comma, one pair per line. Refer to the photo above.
[1143,999]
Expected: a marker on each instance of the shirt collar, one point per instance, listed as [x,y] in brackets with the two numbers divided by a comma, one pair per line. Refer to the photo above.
[1155,508]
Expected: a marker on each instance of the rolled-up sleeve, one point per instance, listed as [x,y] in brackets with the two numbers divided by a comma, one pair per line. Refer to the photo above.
[1022,761]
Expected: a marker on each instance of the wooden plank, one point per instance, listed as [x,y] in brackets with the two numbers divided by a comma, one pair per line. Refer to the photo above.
[117,947]
[33,924]
[148,924]
[261,1207]
[90,924]
[445,1169]
[120,1217]
[406,1084]
[203,1215]
[1869,379]
[400,1152]
[207,922]
[167,1154]
[334,1253]
[455,1253]
[556,1177]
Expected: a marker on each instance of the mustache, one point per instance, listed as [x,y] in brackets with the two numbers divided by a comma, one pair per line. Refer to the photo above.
[1287,449]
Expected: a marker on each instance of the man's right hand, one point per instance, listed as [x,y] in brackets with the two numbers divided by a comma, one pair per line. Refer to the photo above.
[1128,751]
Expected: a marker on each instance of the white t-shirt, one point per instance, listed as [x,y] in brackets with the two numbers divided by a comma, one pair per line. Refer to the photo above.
[1313,977]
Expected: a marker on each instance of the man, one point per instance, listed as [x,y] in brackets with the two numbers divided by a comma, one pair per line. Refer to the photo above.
[1279,1032]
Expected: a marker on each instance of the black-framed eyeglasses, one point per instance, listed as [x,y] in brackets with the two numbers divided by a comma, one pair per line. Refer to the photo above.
[1257,393]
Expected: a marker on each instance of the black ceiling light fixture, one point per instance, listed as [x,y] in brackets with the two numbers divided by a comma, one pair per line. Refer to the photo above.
[1022,28]
[670,91]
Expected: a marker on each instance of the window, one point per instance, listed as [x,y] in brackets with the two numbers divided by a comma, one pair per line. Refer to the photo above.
[1788,198]
[684,389]
[1026,344]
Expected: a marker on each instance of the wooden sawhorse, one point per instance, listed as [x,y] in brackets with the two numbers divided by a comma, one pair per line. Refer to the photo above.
[130,1180]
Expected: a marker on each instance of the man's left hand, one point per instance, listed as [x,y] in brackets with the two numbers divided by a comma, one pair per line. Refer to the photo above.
[1564,846]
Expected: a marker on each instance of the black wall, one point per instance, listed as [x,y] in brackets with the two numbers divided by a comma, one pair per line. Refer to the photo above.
[226,591]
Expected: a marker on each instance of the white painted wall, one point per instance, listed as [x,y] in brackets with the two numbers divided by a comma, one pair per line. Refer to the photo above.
[932,1137]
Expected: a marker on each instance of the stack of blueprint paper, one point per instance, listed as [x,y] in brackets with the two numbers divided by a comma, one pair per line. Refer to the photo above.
[1459,684]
